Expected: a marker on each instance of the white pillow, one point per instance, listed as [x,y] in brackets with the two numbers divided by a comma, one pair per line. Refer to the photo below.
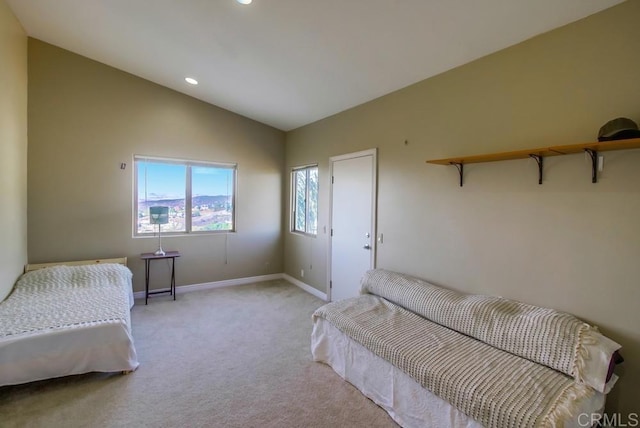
[594,361]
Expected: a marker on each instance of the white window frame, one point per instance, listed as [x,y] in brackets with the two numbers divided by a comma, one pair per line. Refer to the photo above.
[189,164]
[293,212]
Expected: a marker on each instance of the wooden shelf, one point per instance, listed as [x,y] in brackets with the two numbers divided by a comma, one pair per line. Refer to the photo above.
[540,153]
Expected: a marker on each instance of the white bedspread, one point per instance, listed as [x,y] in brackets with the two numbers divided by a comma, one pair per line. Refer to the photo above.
[67,320]
[404,399]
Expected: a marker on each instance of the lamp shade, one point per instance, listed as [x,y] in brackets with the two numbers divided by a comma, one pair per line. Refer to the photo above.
[158,215]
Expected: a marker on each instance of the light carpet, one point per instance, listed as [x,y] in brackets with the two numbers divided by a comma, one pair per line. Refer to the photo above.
[230,357]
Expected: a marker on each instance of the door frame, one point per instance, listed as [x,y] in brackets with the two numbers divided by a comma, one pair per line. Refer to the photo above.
[374,204]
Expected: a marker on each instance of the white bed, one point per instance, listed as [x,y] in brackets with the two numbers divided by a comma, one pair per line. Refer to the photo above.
[404,399]
[432,356]
[68,319]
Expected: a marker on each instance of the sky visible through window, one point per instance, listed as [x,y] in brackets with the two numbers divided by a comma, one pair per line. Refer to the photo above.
[167,181]
[210,207]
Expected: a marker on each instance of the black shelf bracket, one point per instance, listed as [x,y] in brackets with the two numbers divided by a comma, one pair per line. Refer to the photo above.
[594,164]
[460,167]
[540,161]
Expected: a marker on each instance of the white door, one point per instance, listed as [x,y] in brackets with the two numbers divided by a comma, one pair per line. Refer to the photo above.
[353,204]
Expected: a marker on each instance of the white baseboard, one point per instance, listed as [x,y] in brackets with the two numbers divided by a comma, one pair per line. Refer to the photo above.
[241,281]
[306,287]
[216,284]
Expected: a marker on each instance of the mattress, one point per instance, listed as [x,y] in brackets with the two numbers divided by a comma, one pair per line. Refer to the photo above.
[405,400]
[67,320]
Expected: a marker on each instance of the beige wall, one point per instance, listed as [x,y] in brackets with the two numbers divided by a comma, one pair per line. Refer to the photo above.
[567,244]
[13,149]
[86,118]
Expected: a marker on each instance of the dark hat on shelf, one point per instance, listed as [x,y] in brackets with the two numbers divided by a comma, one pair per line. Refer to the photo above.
[620,128]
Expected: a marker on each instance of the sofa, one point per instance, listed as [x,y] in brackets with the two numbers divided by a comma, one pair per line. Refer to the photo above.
[431,356]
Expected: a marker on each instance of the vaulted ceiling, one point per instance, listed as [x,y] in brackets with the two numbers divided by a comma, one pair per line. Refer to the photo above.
[288,63]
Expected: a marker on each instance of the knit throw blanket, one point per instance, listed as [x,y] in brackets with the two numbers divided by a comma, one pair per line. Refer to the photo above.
[63,297]
[492,386]
[549,337]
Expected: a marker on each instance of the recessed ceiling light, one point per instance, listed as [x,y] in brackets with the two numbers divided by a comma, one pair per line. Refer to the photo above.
[244,1]
[191,80]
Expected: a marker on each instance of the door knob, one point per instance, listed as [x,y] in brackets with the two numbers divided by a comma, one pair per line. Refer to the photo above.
[367,247]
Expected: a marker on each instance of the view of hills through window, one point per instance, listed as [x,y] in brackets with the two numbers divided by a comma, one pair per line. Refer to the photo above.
[200,196]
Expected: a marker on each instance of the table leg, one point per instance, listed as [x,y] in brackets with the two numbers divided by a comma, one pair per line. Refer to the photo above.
[173,278]
[146,281]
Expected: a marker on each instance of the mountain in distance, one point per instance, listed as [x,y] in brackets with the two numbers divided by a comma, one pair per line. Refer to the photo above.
[217,200]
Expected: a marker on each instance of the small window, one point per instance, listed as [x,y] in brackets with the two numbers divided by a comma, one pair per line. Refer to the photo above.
[200,195]
[305,199]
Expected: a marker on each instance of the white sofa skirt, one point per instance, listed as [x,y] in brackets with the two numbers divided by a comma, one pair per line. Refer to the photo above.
[404,399]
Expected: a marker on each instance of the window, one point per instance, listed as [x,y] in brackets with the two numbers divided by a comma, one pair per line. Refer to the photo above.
[305,199]
[200,195]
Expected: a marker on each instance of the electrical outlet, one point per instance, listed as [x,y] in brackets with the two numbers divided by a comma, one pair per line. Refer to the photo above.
[301,273]
[600,163]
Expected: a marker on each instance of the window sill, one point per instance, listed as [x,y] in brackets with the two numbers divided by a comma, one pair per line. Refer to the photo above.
[308,235]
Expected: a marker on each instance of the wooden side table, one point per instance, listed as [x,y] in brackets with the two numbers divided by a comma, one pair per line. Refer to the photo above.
[147,257]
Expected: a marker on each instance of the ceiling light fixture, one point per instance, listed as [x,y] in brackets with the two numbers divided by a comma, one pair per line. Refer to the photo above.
[191,80]
[244,1]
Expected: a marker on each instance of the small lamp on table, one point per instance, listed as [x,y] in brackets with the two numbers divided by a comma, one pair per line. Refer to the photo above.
[159,216]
